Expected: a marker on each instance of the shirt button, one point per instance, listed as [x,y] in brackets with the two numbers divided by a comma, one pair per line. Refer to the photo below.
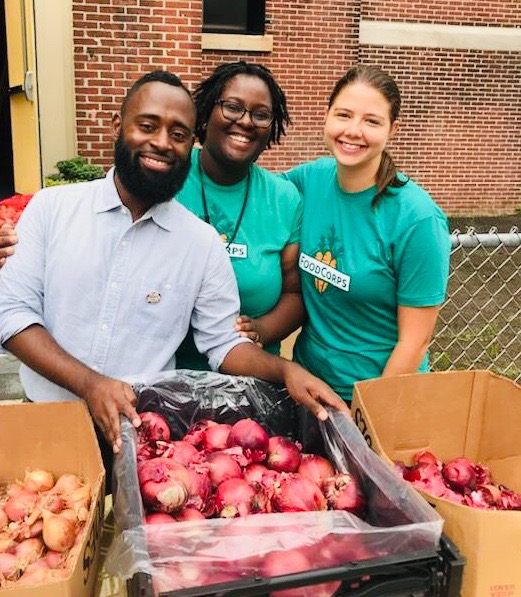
[104,326]
[124,243]
[114,285]
[168,286]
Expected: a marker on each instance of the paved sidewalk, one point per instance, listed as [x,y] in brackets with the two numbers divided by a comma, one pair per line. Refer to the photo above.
[10,386]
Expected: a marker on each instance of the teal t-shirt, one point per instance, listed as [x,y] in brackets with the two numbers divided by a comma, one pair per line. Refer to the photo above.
[357,265]
[271,221]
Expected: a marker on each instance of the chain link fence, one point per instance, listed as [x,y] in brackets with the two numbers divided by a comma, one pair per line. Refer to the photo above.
[479,326]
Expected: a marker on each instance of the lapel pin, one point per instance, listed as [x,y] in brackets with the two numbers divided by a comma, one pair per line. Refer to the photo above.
[153,297]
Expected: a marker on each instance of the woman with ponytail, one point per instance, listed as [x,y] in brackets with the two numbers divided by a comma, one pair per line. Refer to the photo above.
[374,247]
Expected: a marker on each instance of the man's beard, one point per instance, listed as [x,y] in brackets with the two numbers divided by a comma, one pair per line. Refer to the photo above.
[148,186]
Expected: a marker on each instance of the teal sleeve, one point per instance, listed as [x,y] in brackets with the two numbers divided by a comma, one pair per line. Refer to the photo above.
[295,175]
[297,223]
[421,260]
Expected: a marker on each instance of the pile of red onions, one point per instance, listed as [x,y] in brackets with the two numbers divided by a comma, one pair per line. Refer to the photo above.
[227,471]
[223,470]
[41,524]
[460,480]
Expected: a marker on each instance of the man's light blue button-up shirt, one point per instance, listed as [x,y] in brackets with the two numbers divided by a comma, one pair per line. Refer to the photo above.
[117,295]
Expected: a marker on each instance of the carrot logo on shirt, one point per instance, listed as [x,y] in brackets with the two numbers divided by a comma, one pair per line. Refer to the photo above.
[328,253]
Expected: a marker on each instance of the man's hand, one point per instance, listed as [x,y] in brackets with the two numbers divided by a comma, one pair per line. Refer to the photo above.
[106,399]
[8,239]
[312,392]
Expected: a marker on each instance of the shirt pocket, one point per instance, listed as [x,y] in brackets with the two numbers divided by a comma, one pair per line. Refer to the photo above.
[160,309]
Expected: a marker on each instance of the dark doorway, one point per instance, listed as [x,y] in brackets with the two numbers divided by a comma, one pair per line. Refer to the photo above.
[6,145]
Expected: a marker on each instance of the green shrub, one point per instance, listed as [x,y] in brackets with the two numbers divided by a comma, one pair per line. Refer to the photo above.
[74,170]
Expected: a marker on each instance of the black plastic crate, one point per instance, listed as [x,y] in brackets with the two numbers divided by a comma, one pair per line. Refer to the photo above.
[433,574]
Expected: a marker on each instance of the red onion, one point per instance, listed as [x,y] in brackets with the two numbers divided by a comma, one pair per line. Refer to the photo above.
[164,484]
[460,473]
[269,478]
[159,469]
[38,480]
[253,438]
[168,495]
[180,451]
[145,451]
[343,493]
[426,457]
[242,457]
[291,561]
[483,476]
[234,497]
[294,492]
[337,549]
[189,513]
[159,518]
[222,467]
[195,434]
[200,489]
[215,437]
[422,472]
[153,428]
[315,467]
[253,472]
[283,455]
[509,499]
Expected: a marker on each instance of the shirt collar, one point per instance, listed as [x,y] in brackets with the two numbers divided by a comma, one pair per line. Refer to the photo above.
[108,198]
[163,214]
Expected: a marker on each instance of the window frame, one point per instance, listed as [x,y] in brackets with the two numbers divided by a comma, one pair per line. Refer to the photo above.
[253,23]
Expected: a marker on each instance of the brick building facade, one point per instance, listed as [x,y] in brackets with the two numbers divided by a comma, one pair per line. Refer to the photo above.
[458,64]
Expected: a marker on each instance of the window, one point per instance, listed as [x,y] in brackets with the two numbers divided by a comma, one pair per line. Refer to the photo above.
[246,17]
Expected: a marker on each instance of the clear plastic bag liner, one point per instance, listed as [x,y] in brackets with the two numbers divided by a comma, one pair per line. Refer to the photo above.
[195,553]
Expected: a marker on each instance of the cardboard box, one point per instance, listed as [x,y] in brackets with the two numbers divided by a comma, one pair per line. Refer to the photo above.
[476,414]
[58,437]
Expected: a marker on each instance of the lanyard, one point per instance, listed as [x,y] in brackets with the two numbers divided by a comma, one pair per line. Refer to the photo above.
[243,208]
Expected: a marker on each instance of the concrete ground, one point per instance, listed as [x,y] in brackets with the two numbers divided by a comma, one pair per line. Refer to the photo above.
[10,386]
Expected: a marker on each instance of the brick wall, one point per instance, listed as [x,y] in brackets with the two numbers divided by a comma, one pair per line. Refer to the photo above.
[447,12]
[461,118]
[116,41]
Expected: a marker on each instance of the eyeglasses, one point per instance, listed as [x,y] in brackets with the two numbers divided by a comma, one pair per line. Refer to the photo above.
[233,111]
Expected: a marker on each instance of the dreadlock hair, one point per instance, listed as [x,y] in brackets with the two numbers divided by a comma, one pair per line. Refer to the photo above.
[387,174]
[209,92]
[162,76]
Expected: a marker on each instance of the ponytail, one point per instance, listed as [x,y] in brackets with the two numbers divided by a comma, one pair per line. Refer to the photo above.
[386,178]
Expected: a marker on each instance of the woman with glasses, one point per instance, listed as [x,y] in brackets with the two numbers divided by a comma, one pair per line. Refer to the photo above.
[241,111]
